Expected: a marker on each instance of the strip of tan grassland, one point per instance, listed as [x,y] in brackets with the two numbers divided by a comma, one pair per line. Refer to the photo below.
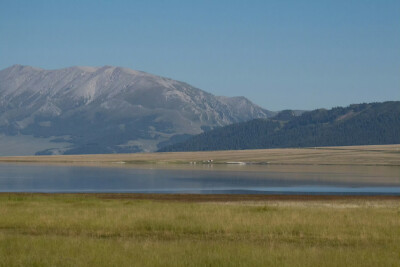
[374,155]
[237,198]
[218,198]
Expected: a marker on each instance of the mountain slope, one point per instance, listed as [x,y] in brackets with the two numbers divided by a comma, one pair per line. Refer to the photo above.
[109,109]
[363,124]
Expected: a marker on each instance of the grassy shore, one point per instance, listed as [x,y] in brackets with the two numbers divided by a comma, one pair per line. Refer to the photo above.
[387,155]
[96,230]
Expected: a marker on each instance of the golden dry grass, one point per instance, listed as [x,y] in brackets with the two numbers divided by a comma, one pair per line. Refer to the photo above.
[83,230]
[388,155]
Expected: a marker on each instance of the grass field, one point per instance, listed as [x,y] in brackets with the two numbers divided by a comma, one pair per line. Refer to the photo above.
[388,155]
[93,230]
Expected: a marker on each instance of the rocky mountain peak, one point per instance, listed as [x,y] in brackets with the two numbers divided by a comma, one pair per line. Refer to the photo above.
[113,109]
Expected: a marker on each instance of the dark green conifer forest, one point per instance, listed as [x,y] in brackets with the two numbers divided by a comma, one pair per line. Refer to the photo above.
[358,124]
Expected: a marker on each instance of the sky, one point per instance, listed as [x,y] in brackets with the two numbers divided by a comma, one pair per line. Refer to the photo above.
[280,54]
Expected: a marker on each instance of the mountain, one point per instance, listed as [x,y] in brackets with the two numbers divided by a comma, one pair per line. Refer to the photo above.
[106,110]
[362,124]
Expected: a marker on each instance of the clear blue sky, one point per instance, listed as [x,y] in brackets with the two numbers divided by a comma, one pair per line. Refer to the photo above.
[280,54]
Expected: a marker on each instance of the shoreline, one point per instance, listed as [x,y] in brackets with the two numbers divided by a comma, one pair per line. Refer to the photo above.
[371,155]
[213,197]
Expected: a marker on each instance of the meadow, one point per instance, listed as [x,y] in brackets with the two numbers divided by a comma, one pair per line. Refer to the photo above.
[97,230]
[377,155]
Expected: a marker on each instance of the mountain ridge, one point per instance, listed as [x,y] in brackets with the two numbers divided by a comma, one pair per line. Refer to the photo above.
[110,109]
[357,124]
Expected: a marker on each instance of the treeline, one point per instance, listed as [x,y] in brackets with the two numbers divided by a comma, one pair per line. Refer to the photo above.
[359,124]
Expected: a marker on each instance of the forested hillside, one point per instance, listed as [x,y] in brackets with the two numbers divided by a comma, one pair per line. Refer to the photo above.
[358,124]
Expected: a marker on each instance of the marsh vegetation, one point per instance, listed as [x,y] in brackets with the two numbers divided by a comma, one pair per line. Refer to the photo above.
[85,230]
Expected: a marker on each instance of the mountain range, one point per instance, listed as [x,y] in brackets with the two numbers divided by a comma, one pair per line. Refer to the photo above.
[84,110]
[357,124]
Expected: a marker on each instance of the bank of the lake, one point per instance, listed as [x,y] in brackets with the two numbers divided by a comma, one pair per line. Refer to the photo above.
[374,155]
[96,230]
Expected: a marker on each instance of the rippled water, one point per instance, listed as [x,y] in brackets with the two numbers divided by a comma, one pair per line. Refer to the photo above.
[208,179]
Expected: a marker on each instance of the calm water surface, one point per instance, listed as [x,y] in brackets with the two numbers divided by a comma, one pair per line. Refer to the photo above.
[206,180]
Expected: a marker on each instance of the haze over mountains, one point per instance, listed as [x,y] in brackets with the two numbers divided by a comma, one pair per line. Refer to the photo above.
[82,110]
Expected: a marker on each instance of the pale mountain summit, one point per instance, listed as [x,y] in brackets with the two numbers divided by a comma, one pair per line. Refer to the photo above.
[108,109]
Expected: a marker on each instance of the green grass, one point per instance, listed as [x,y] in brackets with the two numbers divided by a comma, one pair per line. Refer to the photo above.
[75,230]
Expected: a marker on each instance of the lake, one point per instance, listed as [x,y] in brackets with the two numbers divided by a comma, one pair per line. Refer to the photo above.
[208,179]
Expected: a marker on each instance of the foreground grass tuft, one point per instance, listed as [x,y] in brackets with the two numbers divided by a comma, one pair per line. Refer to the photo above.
[74,230]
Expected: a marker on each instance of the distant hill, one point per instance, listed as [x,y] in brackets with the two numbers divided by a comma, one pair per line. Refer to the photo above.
[86,110]
[358,124]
